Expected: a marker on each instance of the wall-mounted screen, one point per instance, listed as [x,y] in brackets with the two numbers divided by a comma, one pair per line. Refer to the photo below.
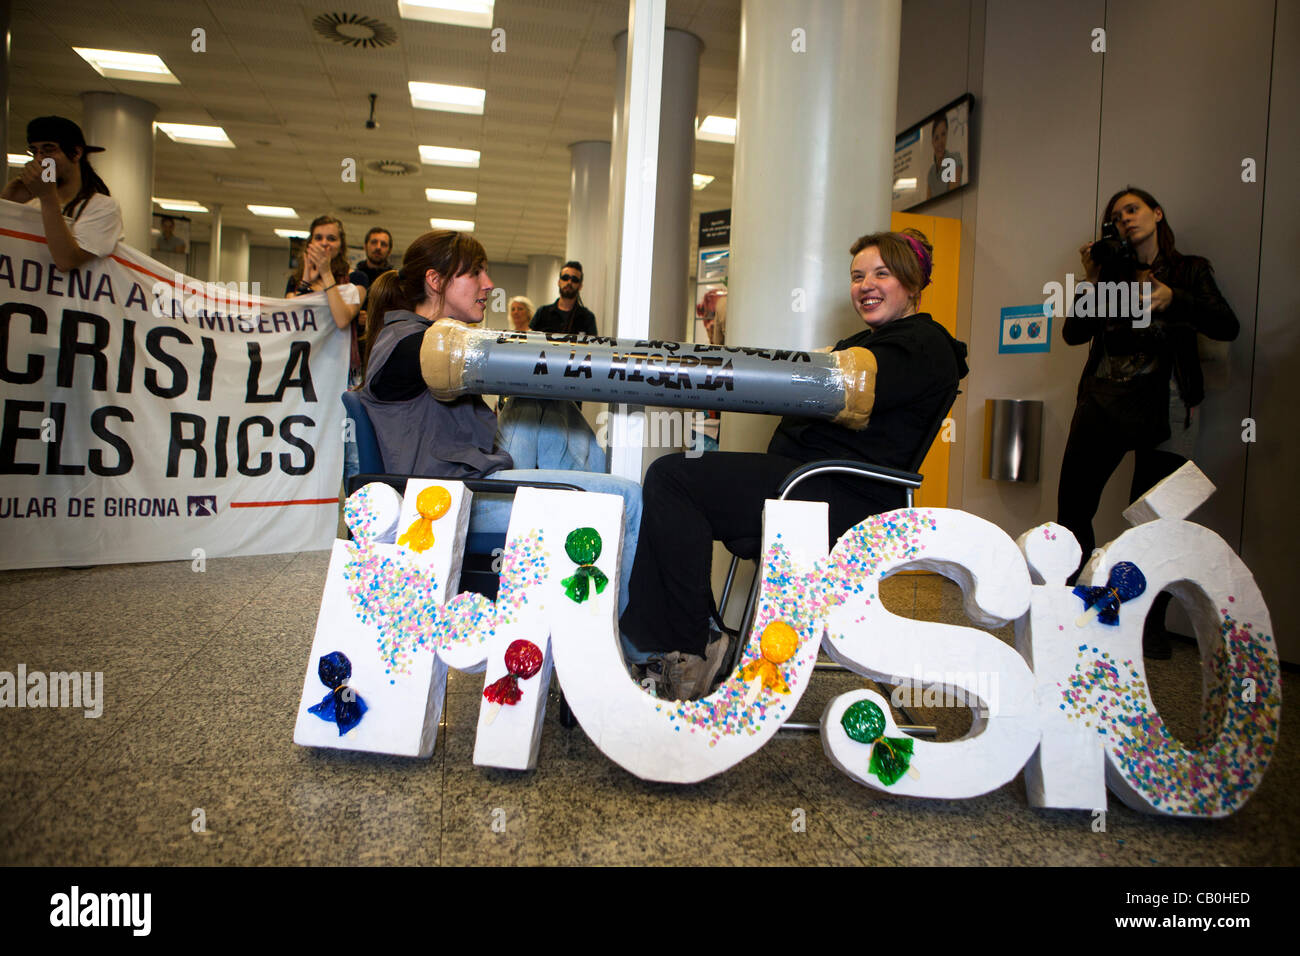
[933,157]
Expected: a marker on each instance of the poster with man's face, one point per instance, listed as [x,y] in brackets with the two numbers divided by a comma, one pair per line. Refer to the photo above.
[932,157]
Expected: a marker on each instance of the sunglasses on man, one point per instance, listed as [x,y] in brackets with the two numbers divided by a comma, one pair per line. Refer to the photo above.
[570,277]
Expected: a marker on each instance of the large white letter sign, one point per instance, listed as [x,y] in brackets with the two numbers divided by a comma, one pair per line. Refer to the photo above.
[857,733]
[1104,687]
[370,685]
[687,741]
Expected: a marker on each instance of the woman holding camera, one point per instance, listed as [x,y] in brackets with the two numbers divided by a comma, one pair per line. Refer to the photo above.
[1142,380]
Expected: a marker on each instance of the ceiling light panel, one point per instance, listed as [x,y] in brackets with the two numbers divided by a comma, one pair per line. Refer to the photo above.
[460,13]
[460,197]
[458,225]
[278,212]
[449,156]
[196,135]
[717,129]
[120,65]
[449,99]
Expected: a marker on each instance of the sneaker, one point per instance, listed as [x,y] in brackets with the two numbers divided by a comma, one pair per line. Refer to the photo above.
[690,676]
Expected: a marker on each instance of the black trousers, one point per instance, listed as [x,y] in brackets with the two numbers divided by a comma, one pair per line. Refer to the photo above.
[1092,453]
[686,505]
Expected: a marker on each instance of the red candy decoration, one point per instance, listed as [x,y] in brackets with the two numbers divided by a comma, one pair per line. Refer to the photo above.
[523,660]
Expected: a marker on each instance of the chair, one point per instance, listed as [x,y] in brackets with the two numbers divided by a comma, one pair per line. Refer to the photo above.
[748,548]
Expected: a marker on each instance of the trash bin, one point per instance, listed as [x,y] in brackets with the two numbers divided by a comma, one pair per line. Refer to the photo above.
[1013,439]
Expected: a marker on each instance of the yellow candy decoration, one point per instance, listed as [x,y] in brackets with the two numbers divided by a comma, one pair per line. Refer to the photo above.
[432,503]
[777,645]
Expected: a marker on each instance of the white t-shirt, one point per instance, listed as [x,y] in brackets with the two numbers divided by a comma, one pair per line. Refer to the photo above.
[99,227]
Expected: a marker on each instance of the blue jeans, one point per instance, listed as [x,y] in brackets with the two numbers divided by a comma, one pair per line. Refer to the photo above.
[491,514]
[547,434]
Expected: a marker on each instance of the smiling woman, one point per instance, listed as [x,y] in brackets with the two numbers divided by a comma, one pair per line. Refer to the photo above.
[909,365]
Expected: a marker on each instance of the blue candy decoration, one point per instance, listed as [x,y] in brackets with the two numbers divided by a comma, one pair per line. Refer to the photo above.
[342,704]
[1125,583]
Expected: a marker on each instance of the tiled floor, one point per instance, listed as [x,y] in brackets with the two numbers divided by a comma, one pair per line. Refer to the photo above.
[202,674]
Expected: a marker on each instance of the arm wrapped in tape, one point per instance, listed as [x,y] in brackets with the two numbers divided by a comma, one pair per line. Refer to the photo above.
[456,359]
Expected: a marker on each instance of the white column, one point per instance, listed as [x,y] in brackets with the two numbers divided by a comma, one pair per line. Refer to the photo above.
[123,125]
[214,245]
[632,204]
[234,256]
[543,276]
[816,92]
[587,239]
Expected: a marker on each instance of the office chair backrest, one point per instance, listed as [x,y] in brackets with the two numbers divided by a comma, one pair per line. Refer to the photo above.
[924,449]
[372,461]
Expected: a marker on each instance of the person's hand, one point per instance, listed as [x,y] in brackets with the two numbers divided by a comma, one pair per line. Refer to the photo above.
[1089,267]
[1161,294]
[16,190]
[318,260]
[36,184]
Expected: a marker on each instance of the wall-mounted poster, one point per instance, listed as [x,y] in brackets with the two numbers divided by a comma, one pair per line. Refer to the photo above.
[933,157]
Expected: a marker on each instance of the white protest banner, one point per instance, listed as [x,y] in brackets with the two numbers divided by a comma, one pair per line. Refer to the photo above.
[149,416]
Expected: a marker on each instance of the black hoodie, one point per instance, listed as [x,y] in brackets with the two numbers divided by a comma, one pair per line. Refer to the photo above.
[918,364]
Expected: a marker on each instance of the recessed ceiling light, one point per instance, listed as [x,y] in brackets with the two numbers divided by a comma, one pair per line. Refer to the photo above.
[460,13]
[700,180]
[196,135]
[19,159]
[459,196]
[717,129]
[909,183]
[118,65]
[181,205]
[448,156]
[279,212]
[449,99]
[458,225]
[292,233]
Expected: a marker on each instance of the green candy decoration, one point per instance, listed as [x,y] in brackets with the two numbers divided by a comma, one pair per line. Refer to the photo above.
[583,547]
[864,722]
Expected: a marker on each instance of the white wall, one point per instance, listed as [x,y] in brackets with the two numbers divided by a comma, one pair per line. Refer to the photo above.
[1181,96]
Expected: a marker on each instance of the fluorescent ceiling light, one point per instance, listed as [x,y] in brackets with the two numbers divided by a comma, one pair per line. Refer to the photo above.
[460,13]
[117,65]
[279,212]
[909,183]
[196,135]
[19,159]
[700,180]
[717,129]
[181,205]
[292,233]
[448,156]
[458,196]
[450,99]
[458,225]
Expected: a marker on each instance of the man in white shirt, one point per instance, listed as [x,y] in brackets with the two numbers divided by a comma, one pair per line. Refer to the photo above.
[82,222]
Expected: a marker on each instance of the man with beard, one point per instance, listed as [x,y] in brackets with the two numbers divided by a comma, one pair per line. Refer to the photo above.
[378,244]
[567,313]
[82,222]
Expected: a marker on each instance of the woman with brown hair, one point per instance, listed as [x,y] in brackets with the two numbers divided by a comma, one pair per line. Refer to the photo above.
[323,267]
[444,276]
[691,502]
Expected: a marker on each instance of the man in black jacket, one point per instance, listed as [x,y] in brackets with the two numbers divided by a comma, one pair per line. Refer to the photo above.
[567,313]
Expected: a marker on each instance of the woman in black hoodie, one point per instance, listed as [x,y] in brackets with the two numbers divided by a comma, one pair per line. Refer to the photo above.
[910,366]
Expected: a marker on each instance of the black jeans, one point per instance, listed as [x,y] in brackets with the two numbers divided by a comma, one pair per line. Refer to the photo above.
[687,504]
[1092,453]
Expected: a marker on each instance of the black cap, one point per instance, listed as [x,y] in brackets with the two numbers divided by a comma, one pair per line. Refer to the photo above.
[57,129]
